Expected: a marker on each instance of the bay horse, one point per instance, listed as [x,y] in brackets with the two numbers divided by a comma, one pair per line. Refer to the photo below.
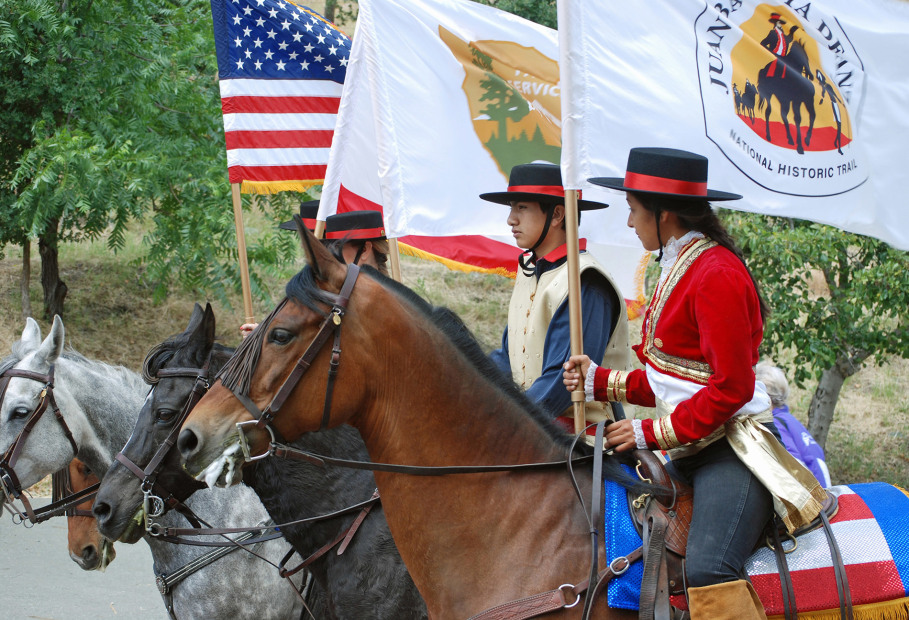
[421,392]
[367,580]
[87,547]
[98,405]
[791,81]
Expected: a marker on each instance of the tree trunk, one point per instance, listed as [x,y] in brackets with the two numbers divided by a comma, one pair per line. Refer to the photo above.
[823,403]
[54,287]
[330,8]
[26,280]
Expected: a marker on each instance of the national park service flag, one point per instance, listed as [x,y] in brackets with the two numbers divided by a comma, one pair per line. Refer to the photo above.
[442,99]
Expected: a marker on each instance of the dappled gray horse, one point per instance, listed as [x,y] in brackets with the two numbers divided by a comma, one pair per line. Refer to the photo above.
[100,404]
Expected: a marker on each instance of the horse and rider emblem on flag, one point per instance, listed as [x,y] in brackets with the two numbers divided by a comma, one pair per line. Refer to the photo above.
[777,84]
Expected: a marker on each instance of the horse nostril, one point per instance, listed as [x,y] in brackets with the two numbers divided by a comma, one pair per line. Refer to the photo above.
[90,555]
[101,511]
[187,443]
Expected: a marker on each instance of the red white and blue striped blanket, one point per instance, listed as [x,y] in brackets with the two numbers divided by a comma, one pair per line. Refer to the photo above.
[871,527]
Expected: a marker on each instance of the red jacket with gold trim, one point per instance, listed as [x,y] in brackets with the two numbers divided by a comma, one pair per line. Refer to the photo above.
[705,327]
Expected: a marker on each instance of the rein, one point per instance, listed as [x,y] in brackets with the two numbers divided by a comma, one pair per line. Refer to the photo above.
[156,499]
[12,488]
[284,451]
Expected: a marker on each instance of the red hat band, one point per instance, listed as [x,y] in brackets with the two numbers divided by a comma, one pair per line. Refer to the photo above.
[648,183]
[359,233]
[551,190]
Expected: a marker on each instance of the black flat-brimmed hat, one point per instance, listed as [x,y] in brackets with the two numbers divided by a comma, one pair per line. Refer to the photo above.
[537,183]
[665,172]
[366,225]
[309,210]
[775,17]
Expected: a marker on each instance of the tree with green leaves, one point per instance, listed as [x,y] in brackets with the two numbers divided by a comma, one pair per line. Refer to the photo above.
[111,112]
[839,301]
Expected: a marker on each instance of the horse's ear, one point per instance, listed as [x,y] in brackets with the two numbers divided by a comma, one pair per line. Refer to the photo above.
[320,259]
[31,335]
[201,331]
[194,319]
[52,346]
[208,324]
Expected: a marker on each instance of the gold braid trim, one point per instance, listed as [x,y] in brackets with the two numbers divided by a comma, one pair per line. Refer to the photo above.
[666,437]
[699,372]
[616,388]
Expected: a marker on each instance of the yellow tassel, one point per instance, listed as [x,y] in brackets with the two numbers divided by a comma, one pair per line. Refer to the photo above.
[274,187]
[897,609]
[454,265]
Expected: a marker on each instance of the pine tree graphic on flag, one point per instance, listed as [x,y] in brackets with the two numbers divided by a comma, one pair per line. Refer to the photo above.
[281,67]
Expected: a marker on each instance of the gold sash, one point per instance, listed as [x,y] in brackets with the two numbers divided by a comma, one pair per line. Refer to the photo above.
[797,495]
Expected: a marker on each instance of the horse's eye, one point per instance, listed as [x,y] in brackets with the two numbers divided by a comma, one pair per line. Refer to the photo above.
[280,336]
[19,413]
[165,415]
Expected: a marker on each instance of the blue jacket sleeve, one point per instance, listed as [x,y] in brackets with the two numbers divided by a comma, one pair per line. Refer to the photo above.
[599,315]
[499,357]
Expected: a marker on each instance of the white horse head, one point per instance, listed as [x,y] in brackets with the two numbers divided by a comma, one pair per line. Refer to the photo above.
[46,446]
[90,406]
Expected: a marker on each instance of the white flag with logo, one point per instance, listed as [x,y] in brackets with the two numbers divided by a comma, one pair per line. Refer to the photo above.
[800,107]
[442,98]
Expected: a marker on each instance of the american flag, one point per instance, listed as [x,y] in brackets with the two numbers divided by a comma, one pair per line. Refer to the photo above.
[281,67]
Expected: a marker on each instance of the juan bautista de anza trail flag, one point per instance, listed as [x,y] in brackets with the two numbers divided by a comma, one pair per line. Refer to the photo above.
[281,68]
[442,99]
[801,106]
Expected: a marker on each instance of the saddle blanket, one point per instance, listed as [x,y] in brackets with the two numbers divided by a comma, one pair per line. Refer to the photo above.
[870,527]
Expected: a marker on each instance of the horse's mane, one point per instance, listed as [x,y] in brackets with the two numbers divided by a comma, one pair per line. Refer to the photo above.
[10,360]
[303,289]
[236,374]
[162,353]
[69,354]
[102,367]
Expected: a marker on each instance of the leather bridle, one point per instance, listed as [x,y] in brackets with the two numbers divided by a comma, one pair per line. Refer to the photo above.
[330,326]
[155,497]
[12,488]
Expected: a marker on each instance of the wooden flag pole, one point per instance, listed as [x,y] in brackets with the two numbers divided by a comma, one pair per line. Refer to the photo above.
[572,247]
[241,252]
[320,229]
[394,257]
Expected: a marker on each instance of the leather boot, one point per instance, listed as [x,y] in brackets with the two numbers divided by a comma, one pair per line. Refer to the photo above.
[733,600]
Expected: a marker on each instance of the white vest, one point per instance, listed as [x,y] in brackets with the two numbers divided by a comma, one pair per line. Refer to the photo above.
[533,304]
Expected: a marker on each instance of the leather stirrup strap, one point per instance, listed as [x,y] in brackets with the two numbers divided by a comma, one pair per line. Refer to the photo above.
[839,571]
[655,581]
[790,611]
[596,514]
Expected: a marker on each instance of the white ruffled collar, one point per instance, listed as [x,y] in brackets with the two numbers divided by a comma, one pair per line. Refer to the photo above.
[672,248]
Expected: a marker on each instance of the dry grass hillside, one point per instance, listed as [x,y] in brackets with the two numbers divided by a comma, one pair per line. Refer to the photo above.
[110,316]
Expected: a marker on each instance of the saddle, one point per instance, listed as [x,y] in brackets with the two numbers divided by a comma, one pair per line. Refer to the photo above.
[663,518]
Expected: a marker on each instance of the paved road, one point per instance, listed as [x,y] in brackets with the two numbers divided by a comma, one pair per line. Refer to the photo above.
[38,580]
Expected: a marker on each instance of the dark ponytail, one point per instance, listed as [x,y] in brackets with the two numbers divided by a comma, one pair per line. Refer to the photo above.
[699,215]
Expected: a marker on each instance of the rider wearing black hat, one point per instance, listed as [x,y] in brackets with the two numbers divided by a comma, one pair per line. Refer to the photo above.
[537,339]
[355,237]
[700,340]
[360,236]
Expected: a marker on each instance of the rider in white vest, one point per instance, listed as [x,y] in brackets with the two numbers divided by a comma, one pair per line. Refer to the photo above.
[537,339]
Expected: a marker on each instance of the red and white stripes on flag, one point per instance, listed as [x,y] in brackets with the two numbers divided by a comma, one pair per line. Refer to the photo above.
[278,132]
